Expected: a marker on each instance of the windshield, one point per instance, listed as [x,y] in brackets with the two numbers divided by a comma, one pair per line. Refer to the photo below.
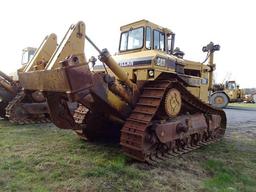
[27,56]
[232,86]
[132,39]
[24,58]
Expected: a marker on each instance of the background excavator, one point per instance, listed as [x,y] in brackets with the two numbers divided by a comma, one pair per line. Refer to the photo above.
[18,106]
[152,101]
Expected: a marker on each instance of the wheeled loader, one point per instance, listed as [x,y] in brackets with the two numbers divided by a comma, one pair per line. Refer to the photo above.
[153,101]
[228,92]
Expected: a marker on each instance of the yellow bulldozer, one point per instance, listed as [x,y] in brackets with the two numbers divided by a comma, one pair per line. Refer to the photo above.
[26,107]
[146,96]
[9,85]
[228,92]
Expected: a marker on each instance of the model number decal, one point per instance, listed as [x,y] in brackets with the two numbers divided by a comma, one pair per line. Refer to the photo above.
[162,62]
[136,62]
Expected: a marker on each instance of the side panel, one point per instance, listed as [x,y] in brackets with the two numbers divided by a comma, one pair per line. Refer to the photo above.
[205,86]
[232,94]
[195,91]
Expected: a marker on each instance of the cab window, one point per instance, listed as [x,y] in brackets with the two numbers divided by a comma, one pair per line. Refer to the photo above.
[231,86]
[148,38]
[159,40]
[27,55]
[132,39]
[25,58]
[123,44]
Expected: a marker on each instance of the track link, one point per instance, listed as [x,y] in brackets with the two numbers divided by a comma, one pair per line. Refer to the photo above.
[79,118]
[137,127]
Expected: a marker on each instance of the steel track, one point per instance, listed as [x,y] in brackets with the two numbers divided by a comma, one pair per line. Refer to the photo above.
[136,129]
[14,105]
[79,117]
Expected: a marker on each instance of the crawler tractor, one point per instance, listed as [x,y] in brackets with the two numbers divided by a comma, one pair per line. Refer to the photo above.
[21,107]
[150,99]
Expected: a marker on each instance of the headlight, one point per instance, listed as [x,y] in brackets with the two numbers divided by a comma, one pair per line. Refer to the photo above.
[1,99]
[151,73]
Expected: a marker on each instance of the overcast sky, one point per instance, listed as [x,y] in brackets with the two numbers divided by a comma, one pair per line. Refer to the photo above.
[230,23]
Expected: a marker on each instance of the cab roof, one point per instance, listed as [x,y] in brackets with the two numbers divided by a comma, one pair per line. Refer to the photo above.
[29,49]
[144,22]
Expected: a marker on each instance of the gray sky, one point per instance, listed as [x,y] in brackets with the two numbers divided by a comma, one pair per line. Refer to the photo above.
[229,23]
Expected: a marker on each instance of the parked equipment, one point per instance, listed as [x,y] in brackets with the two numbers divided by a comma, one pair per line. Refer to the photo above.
[147,97]
[228,92]
[8,90]
[27,107]
[9,86]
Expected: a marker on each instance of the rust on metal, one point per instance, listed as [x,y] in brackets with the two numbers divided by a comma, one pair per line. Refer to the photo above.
[176,135]
[27,113]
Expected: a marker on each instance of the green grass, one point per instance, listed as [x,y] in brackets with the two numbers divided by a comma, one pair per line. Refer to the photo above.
[44,158]
[244,105]
[233,171]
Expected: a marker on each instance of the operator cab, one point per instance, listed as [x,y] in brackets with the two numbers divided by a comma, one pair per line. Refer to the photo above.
[27,54]
[231,85]
[144,35]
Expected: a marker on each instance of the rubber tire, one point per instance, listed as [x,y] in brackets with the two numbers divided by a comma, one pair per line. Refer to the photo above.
[219,94]
[6,97]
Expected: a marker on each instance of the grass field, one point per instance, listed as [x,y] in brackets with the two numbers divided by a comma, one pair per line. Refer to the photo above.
[243,105]
[44,158]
